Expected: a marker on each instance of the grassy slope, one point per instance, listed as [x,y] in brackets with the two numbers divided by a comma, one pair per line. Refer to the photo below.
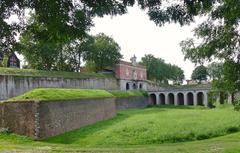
[88,139]
[61,94]
[155,126]
[40,73]
[49,94]
[128,93]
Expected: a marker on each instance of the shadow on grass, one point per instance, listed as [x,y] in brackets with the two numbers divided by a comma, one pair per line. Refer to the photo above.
[84,132]
[81,133]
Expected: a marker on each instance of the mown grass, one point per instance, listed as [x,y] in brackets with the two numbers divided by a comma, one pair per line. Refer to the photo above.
[155,126]
[62,94]
[141,131]
[49,94]
[41,73]
[118,93]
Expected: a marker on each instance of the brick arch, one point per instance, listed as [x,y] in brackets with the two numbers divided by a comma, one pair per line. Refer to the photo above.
[180,98]
[190,98]
[171,98]
[162,99]
[153,99]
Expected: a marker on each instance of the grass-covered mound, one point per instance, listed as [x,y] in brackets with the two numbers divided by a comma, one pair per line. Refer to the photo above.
[155,126]
[40,73]
[118,93]
[48,94]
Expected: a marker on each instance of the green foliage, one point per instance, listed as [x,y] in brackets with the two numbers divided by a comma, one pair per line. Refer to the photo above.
[220,40]
[59,74]
[48,94]
[90,66]
[67,18]
[158,70]
[215,70]
[200,73]
[46,51]
[236,103]
[105,52]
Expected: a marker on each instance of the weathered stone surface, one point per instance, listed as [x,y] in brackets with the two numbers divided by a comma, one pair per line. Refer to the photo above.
[11,86]
[131,102]
[59,117]
[44,119]
[19,117]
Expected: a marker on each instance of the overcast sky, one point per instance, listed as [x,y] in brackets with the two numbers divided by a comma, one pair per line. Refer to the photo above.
[136,34]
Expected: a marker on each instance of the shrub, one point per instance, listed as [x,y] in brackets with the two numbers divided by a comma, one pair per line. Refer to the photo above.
[236,104]
[4,131]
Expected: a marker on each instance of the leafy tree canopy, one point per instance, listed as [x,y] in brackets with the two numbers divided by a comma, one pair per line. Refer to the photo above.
[67,19]
[215,70]
[199,73]
[159,71]
[105,52]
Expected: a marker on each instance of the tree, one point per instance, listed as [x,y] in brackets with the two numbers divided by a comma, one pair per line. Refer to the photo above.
[220,37]
[177,74]
[200,73]
[105,52]
[159,71]
[66,18]
[215,70]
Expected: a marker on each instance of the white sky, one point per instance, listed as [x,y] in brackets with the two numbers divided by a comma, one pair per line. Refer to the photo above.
[136,34]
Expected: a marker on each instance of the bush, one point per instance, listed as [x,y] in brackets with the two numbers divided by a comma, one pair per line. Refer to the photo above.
[236,104]
[4,131]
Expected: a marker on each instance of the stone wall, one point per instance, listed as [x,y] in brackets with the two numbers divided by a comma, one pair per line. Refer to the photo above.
[44,119]
[59,117]
[11,86]
[131,102]
[19,117]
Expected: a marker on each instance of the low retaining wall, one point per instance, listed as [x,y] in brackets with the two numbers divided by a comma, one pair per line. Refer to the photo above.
[11,86]
[131,102]
[44,119]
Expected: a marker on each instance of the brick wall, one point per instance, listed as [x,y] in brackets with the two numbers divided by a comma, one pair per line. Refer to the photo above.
[40,120]
[127,71]
[19,117]
[59,117]
[131,102]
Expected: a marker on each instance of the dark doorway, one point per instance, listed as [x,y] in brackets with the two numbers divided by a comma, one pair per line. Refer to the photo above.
[190,98]
[200,98]
[171,98]
[127,86]
[162,99]
[140,86]
[134,86]
[180,98]
[153,99]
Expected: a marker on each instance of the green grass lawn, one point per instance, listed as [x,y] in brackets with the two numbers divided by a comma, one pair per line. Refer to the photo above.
[41,73]
[119,93]
[157,129]
[49,94]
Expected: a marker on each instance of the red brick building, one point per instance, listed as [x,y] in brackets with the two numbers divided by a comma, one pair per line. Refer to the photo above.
[131,75]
